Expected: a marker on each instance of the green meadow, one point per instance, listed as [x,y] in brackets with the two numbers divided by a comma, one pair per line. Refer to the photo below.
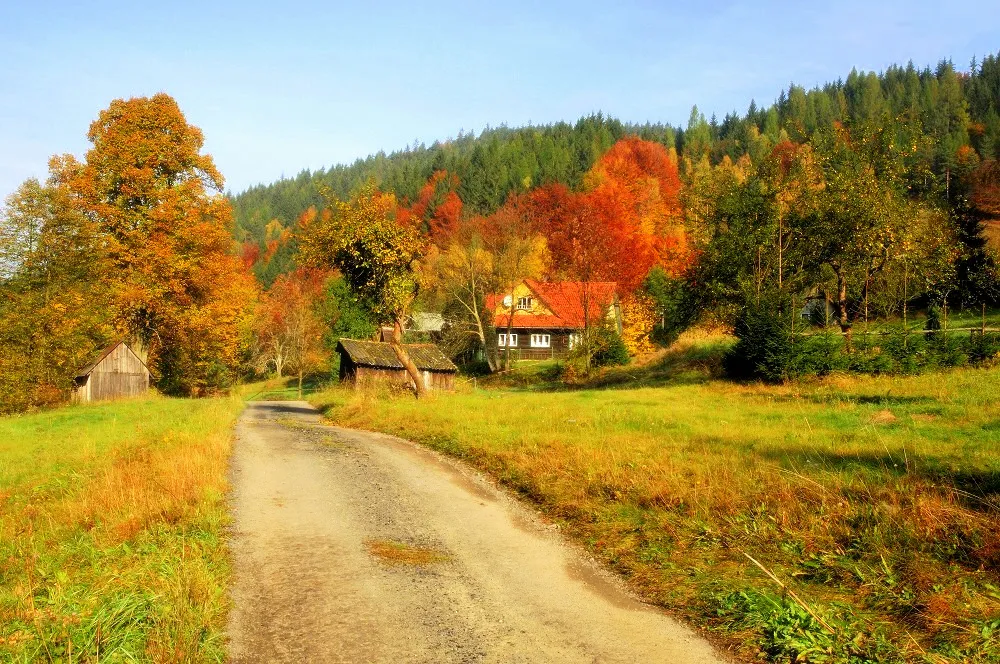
[842,519]
[111,531]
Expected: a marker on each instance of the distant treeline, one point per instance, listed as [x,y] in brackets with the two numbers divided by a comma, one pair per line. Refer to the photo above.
[940,110]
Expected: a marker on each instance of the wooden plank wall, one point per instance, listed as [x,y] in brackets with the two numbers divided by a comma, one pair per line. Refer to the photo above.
[120,374]
[114,385]
[434,380]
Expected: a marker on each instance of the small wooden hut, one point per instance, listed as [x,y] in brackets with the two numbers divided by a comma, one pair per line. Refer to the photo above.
[116,372]
[370,362]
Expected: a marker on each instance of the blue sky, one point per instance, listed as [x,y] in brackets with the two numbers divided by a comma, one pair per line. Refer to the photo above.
[281,86]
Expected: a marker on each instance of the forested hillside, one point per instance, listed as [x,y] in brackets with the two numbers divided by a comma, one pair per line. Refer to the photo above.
[937,112]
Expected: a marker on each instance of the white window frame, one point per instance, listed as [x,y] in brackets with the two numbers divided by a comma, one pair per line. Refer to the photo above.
[524,303]
[502,340]
[574,339]
[541,341]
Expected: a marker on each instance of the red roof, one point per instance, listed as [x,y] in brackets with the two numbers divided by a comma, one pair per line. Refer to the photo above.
[565,300]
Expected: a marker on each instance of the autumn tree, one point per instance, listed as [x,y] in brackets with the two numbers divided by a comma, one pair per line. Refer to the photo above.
[464,273]
[377,255]
[178,287]
[54,308]
[437,209]
[519,251]
[289,328]
[860,223]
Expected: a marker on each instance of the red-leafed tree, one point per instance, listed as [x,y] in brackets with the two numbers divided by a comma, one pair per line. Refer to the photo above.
[626,221]
[635,188]
[250,254]
[437,209]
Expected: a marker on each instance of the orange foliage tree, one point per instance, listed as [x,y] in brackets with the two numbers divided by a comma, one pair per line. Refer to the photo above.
[288,329]
[627,219]
[177,285]
[437,210]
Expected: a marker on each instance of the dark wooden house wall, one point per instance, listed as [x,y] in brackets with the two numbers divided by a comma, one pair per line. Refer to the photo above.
[559,344]
[361,376]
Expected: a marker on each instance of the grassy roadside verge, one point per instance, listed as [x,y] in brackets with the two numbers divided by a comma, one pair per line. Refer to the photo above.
[876,501]
[111,545]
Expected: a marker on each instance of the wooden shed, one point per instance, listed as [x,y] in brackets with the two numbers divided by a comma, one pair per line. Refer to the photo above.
[370,362]
[116,372]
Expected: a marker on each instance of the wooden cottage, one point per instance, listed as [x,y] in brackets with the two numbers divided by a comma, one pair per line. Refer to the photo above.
[116,372]
[547,319]
[371,362]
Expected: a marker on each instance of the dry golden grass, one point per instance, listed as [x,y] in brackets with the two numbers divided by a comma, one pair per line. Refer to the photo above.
[110,531]
[876,500]
[401,553]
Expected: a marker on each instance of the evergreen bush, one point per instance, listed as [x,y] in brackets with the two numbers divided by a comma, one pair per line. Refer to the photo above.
[763,348]
[610,350]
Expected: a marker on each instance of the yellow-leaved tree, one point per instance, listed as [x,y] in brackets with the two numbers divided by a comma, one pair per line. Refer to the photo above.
[638,320]
[378,256]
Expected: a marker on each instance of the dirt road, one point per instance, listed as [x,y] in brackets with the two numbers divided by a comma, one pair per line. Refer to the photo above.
[358,547]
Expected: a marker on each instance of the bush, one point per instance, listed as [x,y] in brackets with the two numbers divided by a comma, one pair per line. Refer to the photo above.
[817,355]
[475,368]
[767,350]
[982,347]
[610,350]
[763,348]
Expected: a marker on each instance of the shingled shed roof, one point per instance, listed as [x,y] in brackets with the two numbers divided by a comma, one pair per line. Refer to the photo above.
[427,357]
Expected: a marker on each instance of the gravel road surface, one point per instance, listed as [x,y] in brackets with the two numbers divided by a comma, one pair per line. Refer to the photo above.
[352,546]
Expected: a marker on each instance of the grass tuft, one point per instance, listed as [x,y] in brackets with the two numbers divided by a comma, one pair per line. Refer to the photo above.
[111,525]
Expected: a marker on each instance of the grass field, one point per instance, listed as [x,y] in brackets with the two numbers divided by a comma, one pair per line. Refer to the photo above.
[874,502]
[282,389]
[111,544]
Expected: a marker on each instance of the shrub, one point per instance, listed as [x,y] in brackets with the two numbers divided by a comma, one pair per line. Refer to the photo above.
[475,368]
[763,348]
[610,350]
[980,347]
[817,355]
[767,350]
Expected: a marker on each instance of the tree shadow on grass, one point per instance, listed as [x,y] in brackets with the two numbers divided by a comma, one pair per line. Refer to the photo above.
[288,409]
[975,489]
[883,400]
[682,364]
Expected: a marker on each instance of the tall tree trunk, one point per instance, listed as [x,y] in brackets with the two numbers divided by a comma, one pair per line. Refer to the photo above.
[491,360]
[843,315]
[404,359]
[477,315]
[588,348]
[510,328]
[300,383]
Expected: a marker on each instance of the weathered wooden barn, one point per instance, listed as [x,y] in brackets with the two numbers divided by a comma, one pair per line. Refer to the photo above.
[372,362]
[116,372]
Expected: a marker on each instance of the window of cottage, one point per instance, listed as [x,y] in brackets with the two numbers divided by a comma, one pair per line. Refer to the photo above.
[502,340]
[541,340]
[524,303]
